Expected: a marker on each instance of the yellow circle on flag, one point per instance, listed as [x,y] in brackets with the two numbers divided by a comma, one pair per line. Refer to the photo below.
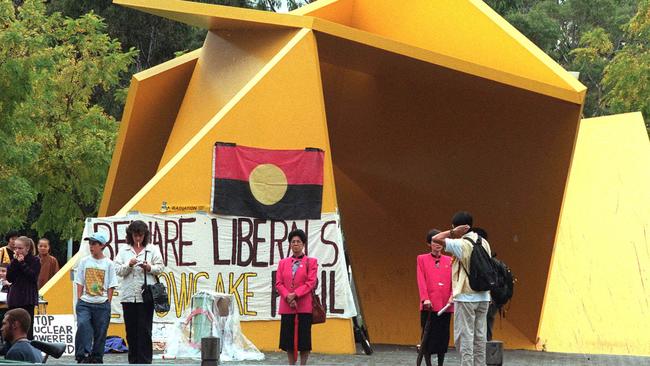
[268,183]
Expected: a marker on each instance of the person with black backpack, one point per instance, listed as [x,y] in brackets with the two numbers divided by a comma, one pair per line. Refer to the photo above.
[473,275]
[502,292]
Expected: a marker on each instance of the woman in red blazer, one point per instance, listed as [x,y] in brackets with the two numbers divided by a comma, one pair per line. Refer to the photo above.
[434,284]
[295,280]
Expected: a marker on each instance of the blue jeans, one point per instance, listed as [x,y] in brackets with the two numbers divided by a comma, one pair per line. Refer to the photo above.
[92,324]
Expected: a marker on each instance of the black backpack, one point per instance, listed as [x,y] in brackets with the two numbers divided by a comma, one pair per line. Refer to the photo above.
[482,269]
[502,293]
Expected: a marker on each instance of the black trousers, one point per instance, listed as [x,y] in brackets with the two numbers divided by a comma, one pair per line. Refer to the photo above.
[138,319]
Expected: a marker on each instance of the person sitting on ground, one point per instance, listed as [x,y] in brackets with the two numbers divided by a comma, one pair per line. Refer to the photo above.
[3,302]
[15,324]
[4,284]
[49,264]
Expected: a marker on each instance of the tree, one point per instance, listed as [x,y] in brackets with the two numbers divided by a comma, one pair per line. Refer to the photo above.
[581,35]
[276,5]
[627,77]
[57,141]
[157,38]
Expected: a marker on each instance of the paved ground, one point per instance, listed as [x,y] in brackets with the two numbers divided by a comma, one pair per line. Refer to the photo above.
[400,355]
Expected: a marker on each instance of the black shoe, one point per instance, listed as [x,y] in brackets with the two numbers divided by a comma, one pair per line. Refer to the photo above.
[86,359]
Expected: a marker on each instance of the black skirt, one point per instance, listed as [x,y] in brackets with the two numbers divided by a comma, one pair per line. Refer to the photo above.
[438,339]
[287,332]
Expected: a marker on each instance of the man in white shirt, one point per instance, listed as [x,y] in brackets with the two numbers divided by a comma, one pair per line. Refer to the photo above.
[470,315]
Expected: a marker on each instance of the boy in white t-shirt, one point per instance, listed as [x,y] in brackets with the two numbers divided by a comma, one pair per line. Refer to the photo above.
[95,280]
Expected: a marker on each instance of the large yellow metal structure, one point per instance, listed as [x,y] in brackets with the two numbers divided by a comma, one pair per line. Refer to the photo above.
[597,296]
[422,109]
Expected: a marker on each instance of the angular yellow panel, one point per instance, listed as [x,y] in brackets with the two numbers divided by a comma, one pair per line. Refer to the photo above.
[424,117]
[293,118]
[153,101]
[599,284]
[338,11]
[213,17]
[467,30]
[385,24]
[413,147]
[226,63]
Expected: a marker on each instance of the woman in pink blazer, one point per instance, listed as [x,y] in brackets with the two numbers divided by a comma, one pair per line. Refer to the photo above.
[295,280]
[434,284]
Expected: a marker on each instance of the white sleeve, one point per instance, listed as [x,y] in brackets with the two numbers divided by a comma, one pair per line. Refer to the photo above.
[80,273]
[121,268]
[112,276]
[157,264]
[455,247]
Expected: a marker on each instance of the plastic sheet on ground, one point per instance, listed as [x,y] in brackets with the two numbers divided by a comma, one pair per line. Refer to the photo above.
[210,314]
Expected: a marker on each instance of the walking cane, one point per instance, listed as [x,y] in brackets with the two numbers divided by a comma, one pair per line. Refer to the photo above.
[425,338]
[425,332]
[295,337]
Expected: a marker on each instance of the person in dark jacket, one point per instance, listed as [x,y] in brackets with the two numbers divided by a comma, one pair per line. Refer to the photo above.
[23,275]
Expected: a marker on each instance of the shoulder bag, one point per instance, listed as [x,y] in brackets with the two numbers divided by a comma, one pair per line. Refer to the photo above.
[318,311]
[156,293]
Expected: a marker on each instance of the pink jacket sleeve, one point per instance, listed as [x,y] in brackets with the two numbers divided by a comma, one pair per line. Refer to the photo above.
[422,282]
[310,283]
[279,281]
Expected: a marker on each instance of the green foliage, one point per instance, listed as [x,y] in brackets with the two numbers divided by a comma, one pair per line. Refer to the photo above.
[627,77]
[57,143]
[274,5]
[581,35]
[157,38]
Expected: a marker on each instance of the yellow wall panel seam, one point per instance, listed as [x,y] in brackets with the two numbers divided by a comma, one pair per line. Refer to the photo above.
[324,112]
[312,7]
[119,145]
[370,39]
[164,170]
[168,65]
[529,46]
[179,9]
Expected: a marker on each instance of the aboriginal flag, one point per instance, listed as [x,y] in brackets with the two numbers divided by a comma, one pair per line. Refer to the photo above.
[267,184]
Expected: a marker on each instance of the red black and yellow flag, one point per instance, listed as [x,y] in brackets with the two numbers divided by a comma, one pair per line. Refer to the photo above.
[268,184]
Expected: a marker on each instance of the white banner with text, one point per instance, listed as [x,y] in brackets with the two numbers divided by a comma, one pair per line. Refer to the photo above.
[234,255]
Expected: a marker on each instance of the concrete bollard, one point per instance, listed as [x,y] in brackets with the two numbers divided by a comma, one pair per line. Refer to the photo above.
[494,353]
[210,347]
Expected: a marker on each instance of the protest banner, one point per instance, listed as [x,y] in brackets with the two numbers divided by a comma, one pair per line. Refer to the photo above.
[234,255]
[56,329]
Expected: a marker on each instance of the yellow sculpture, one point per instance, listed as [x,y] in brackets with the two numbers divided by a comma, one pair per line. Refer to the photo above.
[422,108]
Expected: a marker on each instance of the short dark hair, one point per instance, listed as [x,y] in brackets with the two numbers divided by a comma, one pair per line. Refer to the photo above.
[299,233]
[21,316]
[431,234]
[137,227]
[10,234]
[481,232]
[462,218]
